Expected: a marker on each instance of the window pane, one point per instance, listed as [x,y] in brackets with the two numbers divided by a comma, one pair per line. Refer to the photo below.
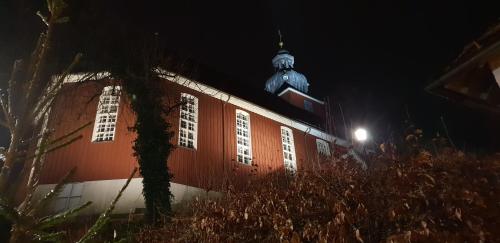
[288,149]
[243,137]
[323,147]
[107,113]
[188,120]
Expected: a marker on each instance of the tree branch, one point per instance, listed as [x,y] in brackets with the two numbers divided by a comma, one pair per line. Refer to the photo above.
[44,20]
[104,217]
[52,89]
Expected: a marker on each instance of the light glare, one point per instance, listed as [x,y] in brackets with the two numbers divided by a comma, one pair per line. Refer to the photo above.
[361,135]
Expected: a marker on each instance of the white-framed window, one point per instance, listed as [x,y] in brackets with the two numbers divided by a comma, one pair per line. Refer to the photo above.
[243,137]
[323,147]
[288,149]
[107,114]
[188,121]
[308,106]
[69,198]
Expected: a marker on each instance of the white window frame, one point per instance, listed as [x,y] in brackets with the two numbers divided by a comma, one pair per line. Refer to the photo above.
[323,147]
[243,138]
[188,121]
[288,146]
[106,114]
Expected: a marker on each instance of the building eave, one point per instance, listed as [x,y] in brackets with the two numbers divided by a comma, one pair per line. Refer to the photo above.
[221,95]
[300,93]
[487,52]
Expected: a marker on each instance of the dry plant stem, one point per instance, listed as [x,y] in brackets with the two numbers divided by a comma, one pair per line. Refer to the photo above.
[104,217]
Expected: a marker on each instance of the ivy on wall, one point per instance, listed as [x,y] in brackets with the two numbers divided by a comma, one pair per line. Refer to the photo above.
[152,145]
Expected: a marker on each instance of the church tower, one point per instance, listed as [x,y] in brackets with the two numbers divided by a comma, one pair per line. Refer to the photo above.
[291,85]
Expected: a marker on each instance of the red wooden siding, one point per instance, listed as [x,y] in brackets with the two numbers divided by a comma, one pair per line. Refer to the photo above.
[94,161]
[298,101]
[208,166]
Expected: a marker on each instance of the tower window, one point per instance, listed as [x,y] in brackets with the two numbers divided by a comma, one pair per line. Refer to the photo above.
[243,137]
[308,106]
[188,121]
[323,147]
[288,149]
[107,114]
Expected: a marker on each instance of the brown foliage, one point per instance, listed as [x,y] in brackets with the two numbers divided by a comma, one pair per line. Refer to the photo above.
[424,198]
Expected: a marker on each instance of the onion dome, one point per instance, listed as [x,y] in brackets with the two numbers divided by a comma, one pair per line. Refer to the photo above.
[283,63]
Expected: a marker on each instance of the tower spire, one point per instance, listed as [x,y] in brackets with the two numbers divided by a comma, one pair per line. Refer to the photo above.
[283,63]
[280,44]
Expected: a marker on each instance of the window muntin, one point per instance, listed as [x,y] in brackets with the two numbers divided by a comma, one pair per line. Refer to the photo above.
[323,147]
[243,138]
[188,121]
[69,197]
[107,114]
[288,149]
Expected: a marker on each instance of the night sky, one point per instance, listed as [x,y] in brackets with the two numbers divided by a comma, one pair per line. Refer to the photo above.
[374,58]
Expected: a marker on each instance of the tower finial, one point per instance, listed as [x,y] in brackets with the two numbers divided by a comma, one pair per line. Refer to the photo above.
[281,39]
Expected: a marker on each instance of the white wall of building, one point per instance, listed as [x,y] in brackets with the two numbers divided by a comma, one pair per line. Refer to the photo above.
[102,192]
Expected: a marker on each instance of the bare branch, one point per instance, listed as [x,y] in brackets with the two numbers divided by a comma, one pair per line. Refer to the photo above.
[11,90]
[42,203]
[57,147]
[169,109]
[44,20]
[35,171]
[4,124]
[104,217]
[37,58]
[70,133]
[52,89]
[5,112]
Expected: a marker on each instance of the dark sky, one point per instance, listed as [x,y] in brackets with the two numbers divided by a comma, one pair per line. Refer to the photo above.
[372,57]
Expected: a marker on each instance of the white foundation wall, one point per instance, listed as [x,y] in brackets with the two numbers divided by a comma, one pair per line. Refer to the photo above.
[102,192]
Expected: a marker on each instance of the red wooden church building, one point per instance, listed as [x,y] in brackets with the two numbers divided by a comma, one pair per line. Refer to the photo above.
[222,134]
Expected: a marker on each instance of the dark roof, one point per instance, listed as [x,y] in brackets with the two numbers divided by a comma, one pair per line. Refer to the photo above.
[231,85]
[468,79]
[490,38]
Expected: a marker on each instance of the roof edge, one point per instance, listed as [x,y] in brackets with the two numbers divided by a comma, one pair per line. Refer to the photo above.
[300,93]
[455,70]
[221,95]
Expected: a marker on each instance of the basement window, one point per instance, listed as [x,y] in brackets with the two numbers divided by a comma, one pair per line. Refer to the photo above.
[288,149]
[69,198]
[243,137]
[107,114]
[188,121]
[323,147]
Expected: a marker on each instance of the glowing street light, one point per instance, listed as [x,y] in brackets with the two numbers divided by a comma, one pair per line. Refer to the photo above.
[361,134]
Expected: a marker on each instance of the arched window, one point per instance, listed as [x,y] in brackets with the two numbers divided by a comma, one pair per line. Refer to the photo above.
[107,114]
[288,149]
[243,137]
[188,121]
